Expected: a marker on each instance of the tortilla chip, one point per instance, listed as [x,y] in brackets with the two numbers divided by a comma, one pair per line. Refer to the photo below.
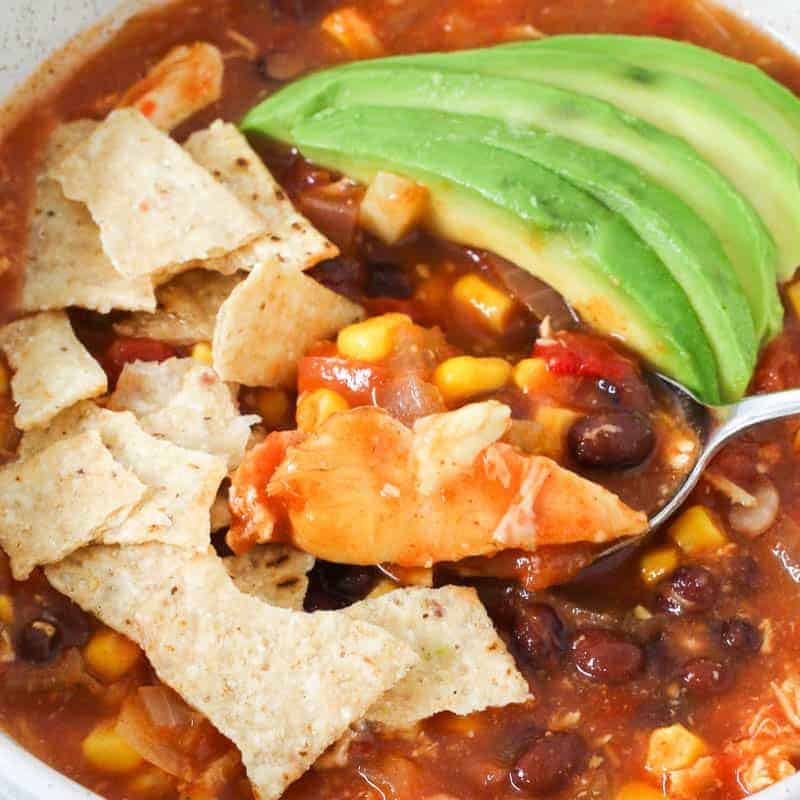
[62,499]
[185,81]
[464,666]
[290,237]
[185,402]
[281,685]
[182,484]
[275,574]
[53,369]
[187,309]
[271,320]
[66,264]
[156,208]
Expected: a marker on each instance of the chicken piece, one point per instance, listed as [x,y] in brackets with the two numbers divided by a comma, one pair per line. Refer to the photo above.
[185,81]
[353,494]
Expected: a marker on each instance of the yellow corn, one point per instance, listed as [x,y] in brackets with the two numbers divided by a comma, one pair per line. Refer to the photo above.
[274,407]
[555,423]
[793,293]
[153,782]
[6,609]
[673,748]
[529,373]
[464,377]
[108,752]
[494,306]
[392,207]
[110,656]
[315,407]
[371,340]
[349,29]
[696,531]
[382,587]
[639,791]
[658,563]
[202,352]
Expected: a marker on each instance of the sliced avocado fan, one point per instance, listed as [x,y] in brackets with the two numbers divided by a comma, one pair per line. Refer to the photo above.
[491,198]
[692,163]
[666,160]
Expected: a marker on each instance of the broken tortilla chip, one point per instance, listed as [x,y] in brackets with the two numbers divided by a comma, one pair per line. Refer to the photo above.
[61,500]
[290,238]
[185,402]
[66,263]
[185,81]
[281,685]
[182,484]
[53,370]
[271,320]
[187,309]
[464,666]
[276,574]
[159,210]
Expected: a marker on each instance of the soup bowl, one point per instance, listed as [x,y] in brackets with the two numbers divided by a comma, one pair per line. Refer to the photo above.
[41,43]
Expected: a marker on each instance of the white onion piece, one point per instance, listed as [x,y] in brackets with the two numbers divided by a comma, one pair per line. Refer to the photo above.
[164,707]
[754,520]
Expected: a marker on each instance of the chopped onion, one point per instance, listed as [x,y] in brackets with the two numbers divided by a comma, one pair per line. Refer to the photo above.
[754,520]
[540,299]
[409,398]
[164,707]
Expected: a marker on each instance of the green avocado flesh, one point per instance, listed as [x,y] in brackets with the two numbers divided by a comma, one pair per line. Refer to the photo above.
[492,198]
[625,185]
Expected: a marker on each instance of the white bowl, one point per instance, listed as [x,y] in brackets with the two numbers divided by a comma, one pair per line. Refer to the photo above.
[30,30]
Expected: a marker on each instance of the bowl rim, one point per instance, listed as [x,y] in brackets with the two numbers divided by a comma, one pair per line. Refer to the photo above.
[22,775]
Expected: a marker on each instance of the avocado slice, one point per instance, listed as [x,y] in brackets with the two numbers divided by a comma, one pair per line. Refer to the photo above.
[666,160]
[745,85]
[491,198]
[758,166]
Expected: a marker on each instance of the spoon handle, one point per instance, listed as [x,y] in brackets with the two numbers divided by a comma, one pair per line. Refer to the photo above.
[729,421]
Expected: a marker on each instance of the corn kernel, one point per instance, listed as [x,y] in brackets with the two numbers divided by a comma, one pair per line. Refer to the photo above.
[465,377]
[530,373]
[658,563]
[494,306]
[371,340]
[392,207]
[639,791]
[6,609]
[349,29]
[153,782]
[382,587]
[673,748]
[696,531]
[793,293]
[108,752]
[274,407]
[110,656]
[202,352]
[315,407]
[555,423]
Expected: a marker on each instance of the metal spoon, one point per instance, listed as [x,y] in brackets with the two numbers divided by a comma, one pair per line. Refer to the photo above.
[716,425]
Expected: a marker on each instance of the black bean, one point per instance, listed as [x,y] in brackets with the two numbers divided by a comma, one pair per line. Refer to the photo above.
[539,635]
[741,635]
[705,676]
[389,280]
[333,586]
[39,642]
[345,276]
[689,590]
[606,656]
[612,439]
[549,763]
[71,621]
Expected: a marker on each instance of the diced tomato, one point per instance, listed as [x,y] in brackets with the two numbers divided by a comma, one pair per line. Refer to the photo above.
[127,350]
[356,381]
[587,356]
